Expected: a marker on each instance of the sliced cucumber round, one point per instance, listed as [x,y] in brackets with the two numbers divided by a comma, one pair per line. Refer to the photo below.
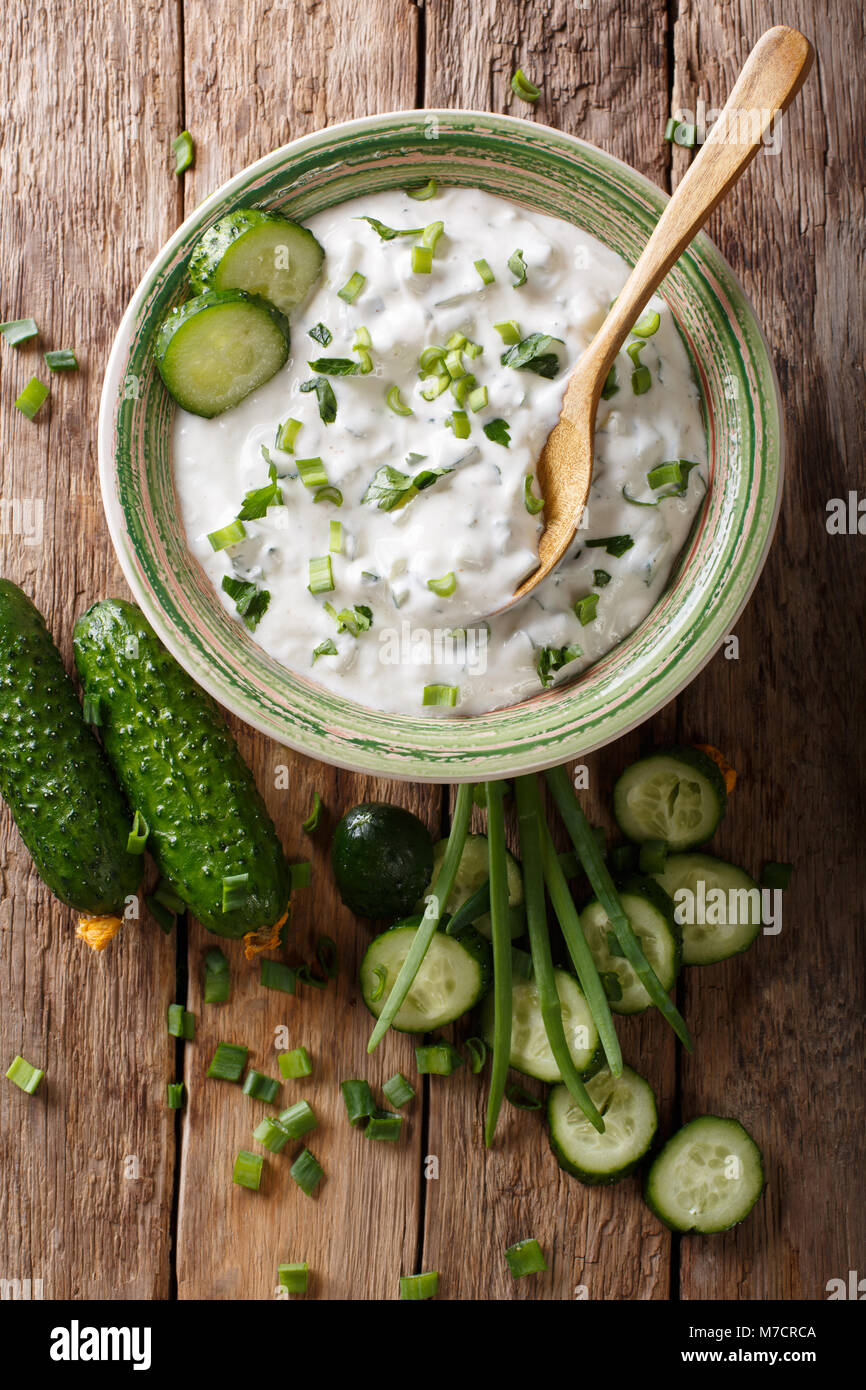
[260,252]
[454,976]
[530,1050]
[628,1107]
[707,1177]
[650,911]
[472,872]
[717,906]
[677,795]
[217,348]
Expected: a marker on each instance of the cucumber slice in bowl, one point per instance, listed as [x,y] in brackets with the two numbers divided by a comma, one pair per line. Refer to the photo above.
[215,349]
[677,795]
[455,974]
[707,1177]
[735,906]
[530,1050]
[651,913]
[628,1106]
[472,872]
[260,252]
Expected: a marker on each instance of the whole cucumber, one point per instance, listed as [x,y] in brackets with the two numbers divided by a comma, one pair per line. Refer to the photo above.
[179,765]
[54,776]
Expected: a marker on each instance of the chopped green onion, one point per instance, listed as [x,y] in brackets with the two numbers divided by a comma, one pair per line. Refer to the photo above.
[456,341]
[653,854]
[312,472]
[517,266]
[499,431]
[329,494]
[260,1087]
[585,610]
[229,1062]
[247,1171]
[17,331]
[175,1090]
[335,538]
[438,1059]
[33,396]
[235,891]
[61,360]
[613,545]
[217,981]
[776,875]
[294,1278]
[295,1064]
[137,838]
[25,1076]
[184,152]
[321,575]
[521,1099]
[277,975]
[352,287]
[362,338]
[287,433]
[509,331]
[533,504]
[325,397]
[500,930]
[478,398]
[180,1023]
[384,1126]
[271,1134]
[424,193]
[312,822]
[610,387]
[326,648]
[436,387]
[227,535]
[487,276]
[473,350]
[454,364]
[681,133]
[476,1049]
[523,88]
[398,1091]
[431,234]
[381,977]
[422,260]
[458,421]
[416,1287]
[669,474]
[648,324]
[461,386]
[600,578]
[525,1258]
[326,955]
[641,381]
[298,1119]
[396,403]
[359,1102]
[320,334]
[431,359]
[307,1172]
[444,586]
[445,695]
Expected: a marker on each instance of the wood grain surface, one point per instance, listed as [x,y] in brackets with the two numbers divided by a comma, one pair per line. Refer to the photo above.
[103,1194]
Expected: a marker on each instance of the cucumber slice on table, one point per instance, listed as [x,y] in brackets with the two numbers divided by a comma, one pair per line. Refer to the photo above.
[727,910]
[707,1177]
[628,1106]
[215,349]
[454,975]
[650,911]
[530,1050]
[677,795]
[260,252]
[472,872]
[382,857]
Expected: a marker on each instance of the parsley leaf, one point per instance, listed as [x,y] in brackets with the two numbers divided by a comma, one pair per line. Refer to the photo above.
[250,601]
[389,233]
[532,355]
[321,334]
[552,659]
[326,398]
[498,431]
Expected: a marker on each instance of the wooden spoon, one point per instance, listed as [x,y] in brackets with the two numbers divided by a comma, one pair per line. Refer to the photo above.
[773,74]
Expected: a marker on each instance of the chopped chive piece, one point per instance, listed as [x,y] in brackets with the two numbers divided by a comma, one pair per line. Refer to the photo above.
[454,364]
[228,1062]
[277,975]
[384,1126]
[776,875]
[431,359]
[517,266]
[362,339]
[424,193]
[398,1091]
[431,234]
[499,431]
[307,976]
[175,1090]
[235,891]
[600,578]
[359,1102]
[416,1287]
[295,1278]
[476,1050]
[444,586]
[445,695]
[312,822]
[487,276]
[683,133]
[613,545]
[458,421]
[585,609]
[251,602]
[320,334]
[160,913]
[271,1134]
[17,331]
[247,1171]
[180,1023]
[329,494]
[634,351]
[477,398]
[552,659]
[667,475]
[217,981]
[509,331]
[61,360]
[326,955]
[325,397]
[396,403]
[473,350]
[298,1119]
[437,1059]
[436,387]
[137,838]
[184,152]
[307,1172]
[33,396]
[352,287]
[227,535]
[301,873]
[648,324]
[422,260]
[523,88]
[25,1076]
[533,504]
[610,387]
[321,575]
[461,386]
[295,1064]
[653,854]
[641,381]
[312,472]
[260,1087]
[521,1099]
[525,1258]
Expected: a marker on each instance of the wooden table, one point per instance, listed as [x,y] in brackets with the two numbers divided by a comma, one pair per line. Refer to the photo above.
[104,1194]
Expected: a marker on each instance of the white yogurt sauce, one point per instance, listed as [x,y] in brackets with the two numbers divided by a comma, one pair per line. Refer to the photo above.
[472,521]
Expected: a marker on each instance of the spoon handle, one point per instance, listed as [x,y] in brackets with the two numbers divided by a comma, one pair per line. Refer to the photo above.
[773,74]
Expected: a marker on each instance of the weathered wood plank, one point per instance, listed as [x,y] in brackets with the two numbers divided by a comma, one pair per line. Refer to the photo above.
[274,73]
[90,101]
[784,1025]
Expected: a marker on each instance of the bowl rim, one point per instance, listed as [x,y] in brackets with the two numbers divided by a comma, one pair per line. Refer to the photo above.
[517,763]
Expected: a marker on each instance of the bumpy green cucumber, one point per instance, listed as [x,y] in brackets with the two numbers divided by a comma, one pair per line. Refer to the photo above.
[60,789]
[180,767]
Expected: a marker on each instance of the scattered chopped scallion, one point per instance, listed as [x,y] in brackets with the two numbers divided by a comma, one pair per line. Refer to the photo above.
[229,1062]
[271,1134]
[137,838]
[217,980]
[352,288]
[525,1258]
[260,1087]
[398,1090]
[175,1090]
[358,1100]
[437,1059]
[422,260]
[648,324]
[33,396]
[17,331]
[287,433]
[312,472]
[235,891]
[509,331]
[523,88]
[533,504]
[227,535]
[307,1172]
[298,1119]
[184,152]
[445,586]
[321,575]
[517,266]
[24,1075]
[487,276]
[247,1171]
[396,403]
[585,609]
[295,1064]
[476,1051]
[415,1287]
[445,695]
[61,360]
[384,1126]
[294,1278]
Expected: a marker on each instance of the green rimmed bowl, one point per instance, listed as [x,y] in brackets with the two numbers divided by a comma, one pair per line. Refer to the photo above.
[712,580]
